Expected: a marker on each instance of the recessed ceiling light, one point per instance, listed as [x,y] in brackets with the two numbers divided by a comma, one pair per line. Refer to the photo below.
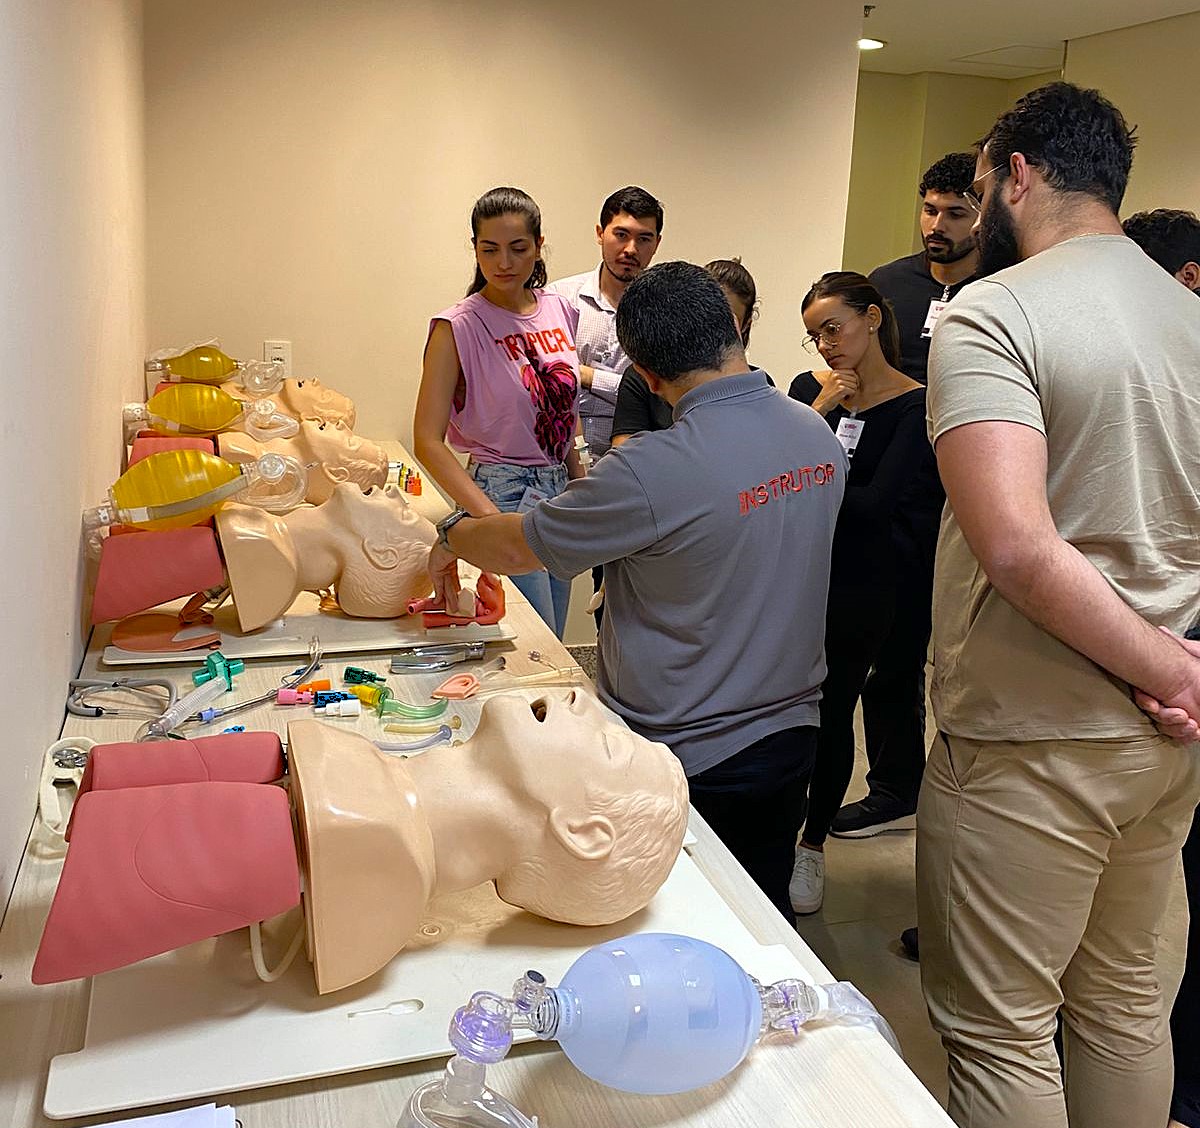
[871,44]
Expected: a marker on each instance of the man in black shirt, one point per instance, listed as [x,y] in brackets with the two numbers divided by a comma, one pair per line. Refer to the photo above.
[1172,239]
[919,285]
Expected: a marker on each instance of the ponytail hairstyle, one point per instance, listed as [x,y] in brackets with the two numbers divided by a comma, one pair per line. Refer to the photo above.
[859,293]
[508,201]
[735,278]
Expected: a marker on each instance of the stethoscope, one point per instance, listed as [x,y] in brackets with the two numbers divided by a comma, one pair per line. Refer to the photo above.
[78,690]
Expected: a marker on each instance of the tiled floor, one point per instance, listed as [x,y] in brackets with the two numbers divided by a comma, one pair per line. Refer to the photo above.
[869,901]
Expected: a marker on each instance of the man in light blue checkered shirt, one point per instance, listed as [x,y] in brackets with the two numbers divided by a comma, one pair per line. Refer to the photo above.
[629,232]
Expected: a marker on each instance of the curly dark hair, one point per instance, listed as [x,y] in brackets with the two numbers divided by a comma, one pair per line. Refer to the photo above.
[952,173]
[1169,236]
[1076,138]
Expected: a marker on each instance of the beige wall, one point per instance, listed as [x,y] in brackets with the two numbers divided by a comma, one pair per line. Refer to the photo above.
[71,332]
[1149,72]
[903,123]
[311,166]
[889,125]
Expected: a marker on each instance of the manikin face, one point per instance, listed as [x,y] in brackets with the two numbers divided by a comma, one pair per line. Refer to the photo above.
[383,545]
[343,457]
[627,245]
[506,252]
[846,334]
[947,226]
[310,399]
[604,809]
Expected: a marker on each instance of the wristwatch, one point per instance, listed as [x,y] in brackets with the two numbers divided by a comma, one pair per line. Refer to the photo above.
[447,523]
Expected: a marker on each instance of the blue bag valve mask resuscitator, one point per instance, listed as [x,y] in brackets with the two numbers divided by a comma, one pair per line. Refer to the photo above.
[651,1013]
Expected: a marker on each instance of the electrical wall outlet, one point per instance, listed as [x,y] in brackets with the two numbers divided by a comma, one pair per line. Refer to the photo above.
[280,351]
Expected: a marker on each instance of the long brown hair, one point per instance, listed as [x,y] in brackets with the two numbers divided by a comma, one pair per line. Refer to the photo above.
[508,201]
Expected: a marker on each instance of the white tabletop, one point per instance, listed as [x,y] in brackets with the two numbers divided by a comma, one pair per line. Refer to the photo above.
[827,1077]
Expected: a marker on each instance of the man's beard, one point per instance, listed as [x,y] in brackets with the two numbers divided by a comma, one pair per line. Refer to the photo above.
[622,272]
[949,252]
[997,239]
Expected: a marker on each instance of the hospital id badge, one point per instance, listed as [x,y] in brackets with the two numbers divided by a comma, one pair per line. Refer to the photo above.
[849,431]
[530,498]
[931,318]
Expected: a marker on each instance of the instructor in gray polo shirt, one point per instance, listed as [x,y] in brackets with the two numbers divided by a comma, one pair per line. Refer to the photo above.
[715,537]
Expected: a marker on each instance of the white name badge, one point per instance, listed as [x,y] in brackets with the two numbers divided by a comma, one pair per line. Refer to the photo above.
[931,318]
[849,432]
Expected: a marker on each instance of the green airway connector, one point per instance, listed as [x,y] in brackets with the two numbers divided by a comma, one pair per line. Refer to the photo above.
[216,665]
[356,675]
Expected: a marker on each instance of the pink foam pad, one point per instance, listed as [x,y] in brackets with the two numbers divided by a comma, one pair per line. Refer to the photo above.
[147,444]
[234,757]
[151,869]
[143,569]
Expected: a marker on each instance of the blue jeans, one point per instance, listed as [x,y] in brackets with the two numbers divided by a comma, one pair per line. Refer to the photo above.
[505,484]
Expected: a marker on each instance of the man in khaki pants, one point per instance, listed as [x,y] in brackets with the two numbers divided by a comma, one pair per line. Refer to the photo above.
[1064,412]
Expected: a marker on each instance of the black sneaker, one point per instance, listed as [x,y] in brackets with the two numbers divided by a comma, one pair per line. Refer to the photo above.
[908,941]
[871,816]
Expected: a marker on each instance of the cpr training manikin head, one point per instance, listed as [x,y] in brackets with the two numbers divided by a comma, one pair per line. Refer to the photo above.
[305,399]
[573,817]
[331,451]
[597,851]
[310,399]
[370,548]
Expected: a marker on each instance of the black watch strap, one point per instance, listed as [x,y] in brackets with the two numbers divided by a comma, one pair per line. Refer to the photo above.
[447,523]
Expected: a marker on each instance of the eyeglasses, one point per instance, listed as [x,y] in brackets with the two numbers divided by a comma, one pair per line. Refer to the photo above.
[975,198]
[828,333]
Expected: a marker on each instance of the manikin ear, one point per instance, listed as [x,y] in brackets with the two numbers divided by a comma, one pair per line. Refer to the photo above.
[1189,275]
[590,839]
[385,552]
[335,474]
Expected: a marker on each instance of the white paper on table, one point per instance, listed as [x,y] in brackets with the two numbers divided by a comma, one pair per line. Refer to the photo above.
[201,1116]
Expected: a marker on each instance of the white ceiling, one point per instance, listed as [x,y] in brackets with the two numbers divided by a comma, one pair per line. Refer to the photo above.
[996,38]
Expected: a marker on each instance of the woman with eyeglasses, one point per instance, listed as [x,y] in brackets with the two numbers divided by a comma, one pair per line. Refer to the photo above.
[883,545]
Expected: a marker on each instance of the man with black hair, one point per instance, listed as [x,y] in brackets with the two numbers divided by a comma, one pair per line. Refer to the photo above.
[629,232]
[715,536]
[1063,413]
[920,285]
[1172,239]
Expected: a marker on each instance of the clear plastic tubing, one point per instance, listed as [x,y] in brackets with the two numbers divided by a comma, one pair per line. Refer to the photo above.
[199,698]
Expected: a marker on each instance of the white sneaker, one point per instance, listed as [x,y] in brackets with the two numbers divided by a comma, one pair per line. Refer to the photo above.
[807,888]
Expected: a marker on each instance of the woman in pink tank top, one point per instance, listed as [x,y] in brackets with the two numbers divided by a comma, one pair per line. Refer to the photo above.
[500,383]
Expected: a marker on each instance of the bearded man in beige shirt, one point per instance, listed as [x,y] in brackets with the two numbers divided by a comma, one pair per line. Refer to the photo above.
[1065,417]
